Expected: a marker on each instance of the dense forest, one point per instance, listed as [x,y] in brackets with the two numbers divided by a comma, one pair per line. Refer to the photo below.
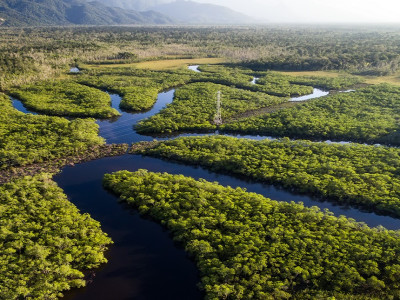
[274,83]
[27,138]
[64,98]
[360,175]
[368,115]
[45,242]
[194,105]
[250,247]
[242,78]
[194,108]
[138,88]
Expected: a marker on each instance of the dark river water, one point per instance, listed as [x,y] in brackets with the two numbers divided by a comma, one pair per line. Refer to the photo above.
[144,262]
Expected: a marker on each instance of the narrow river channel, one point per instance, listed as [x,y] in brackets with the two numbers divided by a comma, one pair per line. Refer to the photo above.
[144,262]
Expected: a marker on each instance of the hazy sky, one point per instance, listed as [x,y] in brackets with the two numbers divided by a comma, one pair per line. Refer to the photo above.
[316,10]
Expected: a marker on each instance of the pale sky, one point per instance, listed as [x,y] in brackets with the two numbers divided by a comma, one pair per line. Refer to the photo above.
[370,11]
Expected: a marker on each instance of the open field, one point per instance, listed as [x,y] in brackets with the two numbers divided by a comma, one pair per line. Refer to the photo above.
[315,73]
[392,79]
[177,63]
[165,64]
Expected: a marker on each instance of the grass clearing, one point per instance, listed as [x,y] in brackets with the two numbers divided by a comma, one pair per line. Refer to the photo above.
[391,79]
[331,74]
[177,63]
[165,64]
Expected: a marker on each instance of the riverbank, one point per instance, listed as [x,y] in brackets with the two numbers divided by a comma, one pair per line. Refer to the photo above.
[55,166]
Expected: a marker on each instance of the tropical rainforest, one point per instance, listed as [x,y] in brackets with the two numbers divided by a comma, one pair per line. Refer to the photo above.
[250,247]
[353,174]
[368,115]
[64,98]
[27,138]
[194,108]
[138,88]
[45,242]
[245,246]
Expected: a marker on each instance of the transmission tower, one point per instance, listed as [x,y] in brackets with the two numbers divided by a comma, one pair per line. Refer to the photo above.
[218,117]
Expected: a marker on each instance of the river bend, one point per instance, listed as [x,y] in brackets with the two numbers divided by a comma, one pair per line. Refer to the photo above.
[144,262]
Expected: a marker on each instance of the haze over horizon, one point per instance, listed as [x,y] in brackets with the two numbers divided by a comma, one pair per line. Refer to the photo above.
[316,11]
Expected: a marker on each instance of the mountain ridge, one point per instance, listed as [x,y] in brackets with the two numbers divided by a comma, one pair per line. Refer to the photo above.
[140,5]
[72,12]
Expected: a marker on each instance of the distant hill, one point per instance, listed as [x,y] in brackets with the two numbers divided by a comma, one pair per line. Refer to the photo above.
[71,12]
[189,12]
[139,5]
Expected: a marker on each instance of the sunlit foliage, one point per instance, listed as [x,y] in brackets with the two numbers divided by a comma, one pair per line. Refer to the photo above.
[27,138]
[138,88]
[250,247]
[66,98]
[368,115]
[195,106]
[45,243]
[354,174]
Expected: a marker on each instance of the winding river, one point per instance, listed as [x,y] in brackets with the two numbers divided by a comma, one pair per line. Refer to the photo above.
[144,262]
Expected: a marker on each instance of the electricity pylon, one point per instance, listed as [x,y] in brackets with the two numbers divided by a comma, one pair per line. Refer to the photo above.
[218,117]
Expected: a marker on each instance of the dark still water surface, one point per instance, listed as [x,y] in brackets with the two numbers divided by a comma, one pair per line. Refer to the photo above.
[120,130]
[144,262]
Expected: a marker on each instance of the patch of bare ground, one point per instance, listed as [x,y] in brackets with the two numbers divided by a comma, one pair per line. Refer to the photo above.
[137,148]
[262,111]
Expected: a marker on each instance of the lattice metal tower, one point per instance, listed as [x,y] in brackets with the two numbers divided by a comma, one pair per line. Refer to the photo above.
[218,116]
